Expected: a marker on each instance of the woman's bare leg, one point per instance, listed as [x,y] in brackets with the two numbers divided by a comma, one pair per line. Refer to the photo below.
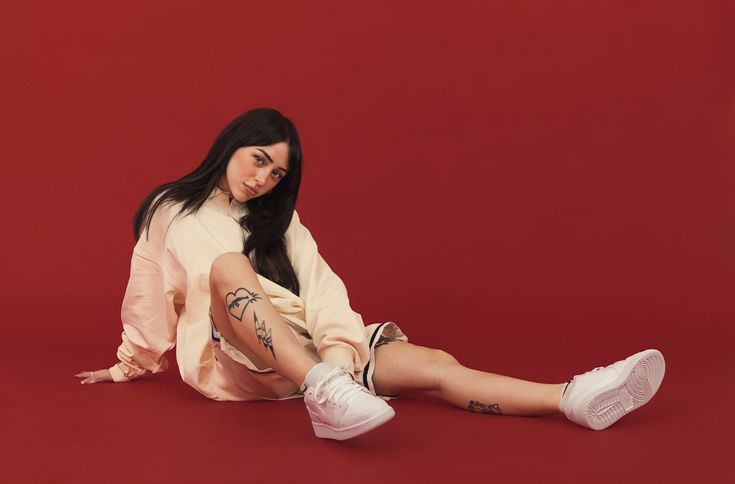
[245,317]
[403,367]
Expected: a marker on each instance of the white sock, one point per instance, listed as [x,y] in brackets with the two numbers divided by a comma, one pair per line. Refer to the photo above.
[564,392]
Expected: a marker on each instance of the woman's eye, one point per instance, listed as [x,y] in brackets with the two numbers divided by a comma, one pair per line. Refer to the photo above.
[277,174]
[259,159]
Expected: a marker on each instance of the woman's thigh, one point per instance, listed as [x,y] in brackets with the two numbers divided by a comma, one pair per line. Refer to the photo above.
[402,367]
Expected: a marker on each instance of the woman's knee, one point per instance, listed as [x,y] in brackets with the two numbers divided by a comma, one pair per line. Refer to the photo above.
[227,265]
[442,357]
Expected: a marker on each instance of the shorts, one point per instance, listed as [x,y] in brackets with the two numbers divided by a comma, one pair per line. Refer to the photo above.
[268,385]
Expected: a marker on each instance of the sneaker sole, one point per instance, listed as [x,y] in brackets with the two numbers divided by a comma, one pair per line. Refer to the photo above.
[635,386]
[324,431]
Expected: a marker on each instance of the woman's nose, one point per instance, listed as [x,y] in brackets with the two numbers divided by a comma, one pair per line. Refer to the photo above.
[260,177]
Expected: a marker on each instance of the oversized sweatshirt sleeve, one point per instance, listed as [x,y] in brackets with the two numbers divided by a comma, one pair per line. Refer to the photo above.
[330,320]
[150,307]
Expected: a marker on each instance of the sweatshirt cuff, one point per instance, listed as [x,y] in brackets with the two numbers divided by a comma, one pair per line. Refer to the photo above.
[117,374]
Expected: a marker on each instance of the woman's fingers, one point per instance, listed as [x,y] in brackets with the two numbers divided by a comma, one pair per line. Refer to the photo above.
[91,376]
[85,376]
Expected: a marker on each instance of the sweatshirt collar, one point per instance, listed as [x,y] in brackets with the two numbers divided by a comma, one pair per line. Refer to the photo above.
[227,205]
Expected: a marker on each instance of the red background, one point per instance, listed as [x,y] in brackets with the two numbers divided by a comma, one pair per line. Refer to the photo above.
[536,187]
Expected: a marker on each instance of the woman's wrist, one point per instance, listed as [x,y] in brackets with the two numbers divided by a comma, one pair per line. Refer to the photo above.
[117,374]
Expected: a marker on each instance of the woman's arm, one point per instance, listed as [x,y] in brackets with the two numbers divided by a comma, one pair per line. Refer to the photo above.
[150,309]
[149,317]
[334,327]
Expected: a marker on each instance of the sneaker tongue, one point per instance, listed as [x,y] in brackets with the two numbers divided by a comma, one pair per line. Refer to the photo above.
[317,373]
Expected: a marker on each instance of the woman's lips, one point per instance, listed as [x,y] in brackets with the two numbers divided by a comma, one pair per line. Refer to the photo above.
[249,190]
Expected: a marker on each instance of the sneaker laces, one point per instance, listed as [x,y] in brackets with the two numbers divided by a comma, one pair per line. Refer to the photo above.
[331,387]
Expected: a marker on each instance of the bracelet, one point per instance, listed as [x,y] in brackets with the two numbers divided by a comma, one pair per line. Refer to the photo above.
[126,374]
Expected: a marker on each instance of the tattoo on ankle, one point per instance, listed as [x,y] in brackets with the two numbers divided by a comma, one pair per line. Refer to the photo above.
[263,333]
[490,409]
[239,300]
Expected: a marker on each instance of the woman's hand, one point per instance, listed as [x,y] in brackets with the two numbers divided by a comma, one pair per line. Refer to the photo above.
[94,376]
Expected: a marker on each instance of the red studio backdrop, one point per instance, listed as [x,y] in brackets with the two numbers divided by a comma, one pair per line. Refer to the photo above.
[536,187]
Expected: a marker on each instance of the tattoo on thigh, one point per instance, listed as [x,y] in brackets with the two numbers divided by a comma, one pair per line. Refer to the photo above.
[490,409]
[383,341]
[263,333]
[239,300]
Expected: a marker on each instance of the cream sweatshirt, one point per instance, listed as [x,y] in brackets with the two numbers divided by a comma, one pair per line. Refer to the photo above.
[167,299]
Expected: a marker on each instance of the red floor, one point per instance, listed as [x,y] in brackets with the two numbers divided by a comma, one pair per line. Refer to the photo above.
[560,174]
[161,430]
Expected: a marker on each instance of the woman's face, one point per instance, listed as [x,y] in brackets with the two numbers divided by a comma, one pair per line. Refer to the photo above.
[259,168]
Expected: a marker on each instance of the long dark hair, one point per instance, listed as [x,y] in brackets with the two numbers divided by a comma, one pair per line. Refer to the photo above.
[268,216]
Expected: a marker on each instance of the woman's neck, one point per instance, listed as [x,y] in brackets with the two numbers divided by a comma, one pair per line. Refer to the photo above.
[222,185]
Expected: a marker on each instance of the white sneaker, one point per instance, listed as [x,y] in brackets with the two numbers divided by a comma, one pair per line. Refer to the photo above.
[341,409]
[599,398]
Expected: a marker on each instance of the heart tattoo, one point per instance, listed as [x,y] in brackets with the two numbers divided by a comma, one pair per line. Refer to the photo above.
[239,300]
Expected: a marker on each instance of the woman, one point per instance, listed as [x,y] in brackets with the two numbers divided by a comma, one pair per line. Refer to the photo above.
[224,270]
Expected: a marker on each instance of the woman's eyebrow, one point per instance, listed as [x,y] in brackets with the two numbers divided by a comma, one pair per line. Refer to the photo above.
[269,158]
